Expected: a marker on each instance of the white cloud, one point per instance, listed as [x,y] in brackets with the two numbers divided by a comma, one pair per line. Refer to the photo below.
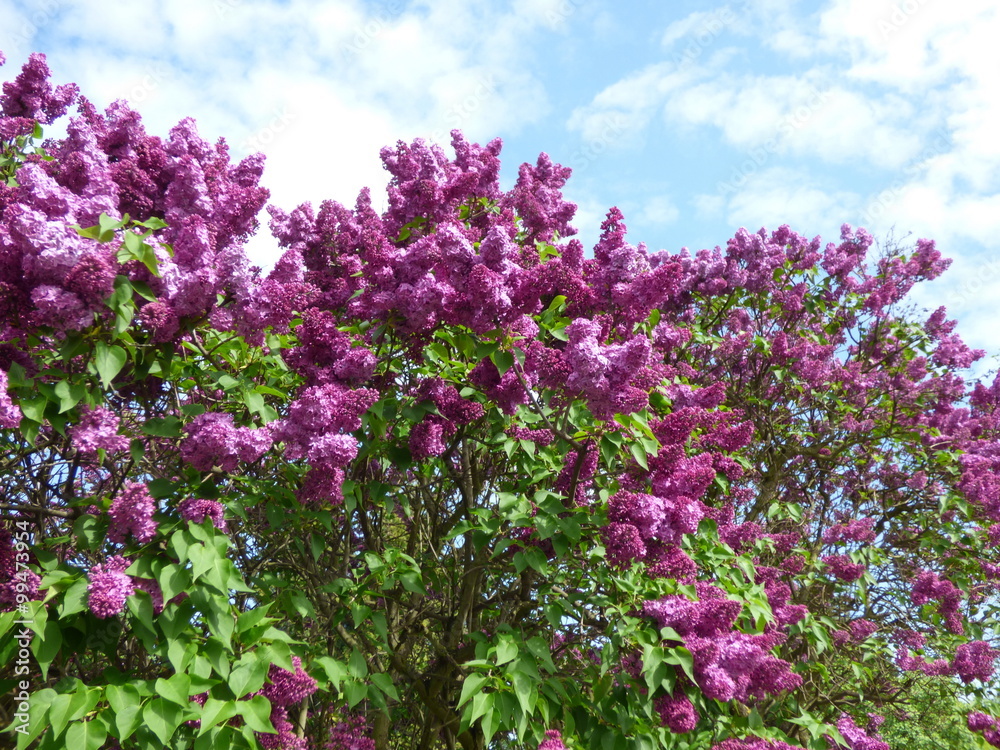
[779,196]
[659,209]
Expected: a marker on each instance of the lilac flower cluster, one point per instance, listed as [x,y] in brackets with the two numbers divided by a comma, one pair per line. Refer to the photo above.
[317,428]
[50,276]
[728,664]
[10,415]
[109,587]
[213,440]
[857,738]
[285,738]
[676,712]
[97,430]
[843,567]
[351,732]
[197,510]
[131,512]
[928,586]
[754,743]
[286,688]
[552,741]
[989,726]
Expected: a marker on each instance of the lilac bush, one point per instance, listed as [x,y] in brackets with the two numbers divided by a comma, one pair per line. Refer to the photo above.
[444,477]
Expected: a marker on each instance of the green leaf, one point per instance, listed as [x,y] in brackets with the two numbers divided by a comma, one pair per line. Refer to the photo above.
[257,714]
[74,599]
[472,685]
[503,361]
[506,650]
[46,647]
[109,361]
[385,684]
[128,718]
[214,712]
[168,427]
[86,735]
[163,718]
[177,689]
[248,677]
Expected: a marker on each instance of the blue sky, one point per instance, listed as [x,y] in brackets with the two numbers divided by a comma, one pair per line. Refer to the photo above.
[693,118]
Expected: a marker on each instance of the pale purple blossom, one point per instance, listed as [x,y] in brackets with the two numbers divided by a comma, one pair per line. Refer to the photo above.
[109,587]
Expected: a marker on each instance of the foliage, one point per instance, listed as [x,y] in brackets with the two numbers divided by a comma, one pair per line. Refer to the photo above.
[440,480]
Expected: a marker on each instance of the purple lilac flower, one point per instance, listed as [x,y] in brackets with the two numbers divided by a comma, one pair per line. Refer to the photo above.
[285,739]
[842,567]
[552,741]
[974,661]
[857,738]
[197,510]
[132,513]
[288,688]
[109,587]
[676,712]
[30,95]
[350,733]
[97,429]
[10,415]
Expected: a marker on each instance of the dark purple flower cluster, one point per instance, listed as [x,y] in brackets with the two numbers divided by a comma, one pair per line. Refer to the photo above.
[350,733]
[10,415]
[286,688]
[754,743]
[552,741]
[676,712]
[843,567]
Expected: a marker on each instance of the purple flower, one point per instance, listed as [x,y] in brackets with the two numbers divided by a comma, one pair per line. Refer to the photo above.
[676,712]
[132,513]
[31,95]
[857,738]
[350,733]
[97,429]
[285,739]
[842,567]
[552,741]
[974,661]
[109,587]
[197,510]
[288,688]
[10,415]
